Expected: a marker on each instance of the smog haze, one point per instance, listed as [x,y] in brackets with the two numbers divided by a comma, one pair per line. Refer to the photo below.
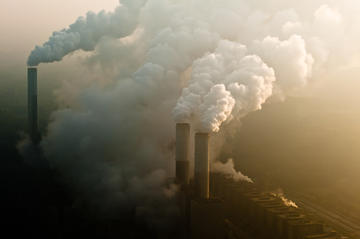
[274,84]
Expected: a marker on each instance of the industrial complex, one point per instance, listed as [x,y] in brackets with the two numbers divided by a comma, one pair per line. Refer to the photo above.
[216,207]
[213,206]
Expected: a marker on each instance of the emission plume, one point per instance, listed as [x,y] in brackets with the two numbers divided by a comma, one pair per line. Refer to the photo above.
[287,202]
[224,84]
[231,82]
[87,31]
[228,170]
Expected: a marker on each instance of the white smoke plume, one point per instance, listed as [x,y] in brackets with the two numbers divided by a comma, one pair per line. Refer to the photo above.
[207,62]
[229,171]
[224,84]
[86,33]
[243,82]
[290,60]
[287,202]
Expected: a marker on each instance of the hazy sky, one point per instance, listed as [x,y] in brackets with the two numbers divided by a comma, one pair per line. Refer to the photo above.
[24,23]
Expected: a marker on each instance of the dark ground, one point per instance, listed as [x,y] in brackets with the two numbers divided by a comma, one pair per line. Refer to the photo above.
[35,204]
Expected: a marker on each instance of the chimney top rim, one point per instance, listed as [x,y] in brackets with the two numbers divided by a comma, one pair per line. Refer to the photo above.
[183,124]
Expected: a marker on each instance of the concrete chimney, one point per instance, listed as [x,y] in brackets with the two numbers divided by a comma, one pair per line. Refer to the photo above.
[202,168]
[32,104]
[182,153]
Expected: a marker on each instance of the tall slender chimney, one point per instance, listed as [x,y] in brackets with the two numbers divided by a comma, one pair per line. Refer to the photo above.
[202,168]
[32,104]
[182,153]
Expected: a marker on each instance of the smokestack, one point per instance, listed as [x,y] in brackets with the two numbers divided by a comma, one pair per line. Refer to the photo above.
[32,104]
[202,168]
[182,153]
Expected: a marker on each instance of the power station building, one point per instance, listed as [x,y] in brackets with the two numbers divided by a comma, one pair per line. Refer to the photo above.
[216,207]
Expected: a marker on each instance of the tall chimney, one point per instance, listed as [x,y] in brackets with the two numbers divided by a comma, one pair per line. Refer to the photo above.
[182,153]
[32,104]
[202,168]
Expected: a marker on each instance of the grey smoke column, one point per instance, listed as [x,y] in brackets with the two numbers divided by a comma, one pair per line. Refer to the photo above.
[182,153]
[32,104]
[202,168]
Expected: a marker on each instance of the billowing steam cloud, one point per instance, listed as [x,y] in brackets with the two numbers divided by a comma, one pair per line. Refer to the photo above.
[290,60]
[203,62]
[228,170]
[224,84]
[229,83]
[86,32]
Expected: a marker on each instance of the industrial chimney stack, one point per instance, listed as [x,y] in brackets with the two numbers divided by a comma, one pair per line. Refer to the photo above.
[182,153]
[32,104]
[202,168]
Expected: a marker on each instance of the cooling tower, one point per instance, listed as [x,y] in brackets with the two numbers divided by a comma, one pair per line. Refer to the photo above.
[202,169]
[182,153]
[32,104]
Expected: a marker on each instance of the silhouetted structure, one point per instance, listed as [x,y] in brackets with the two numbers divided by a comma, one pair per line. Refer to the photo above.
[182,153]
[236,210]
[33,104]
